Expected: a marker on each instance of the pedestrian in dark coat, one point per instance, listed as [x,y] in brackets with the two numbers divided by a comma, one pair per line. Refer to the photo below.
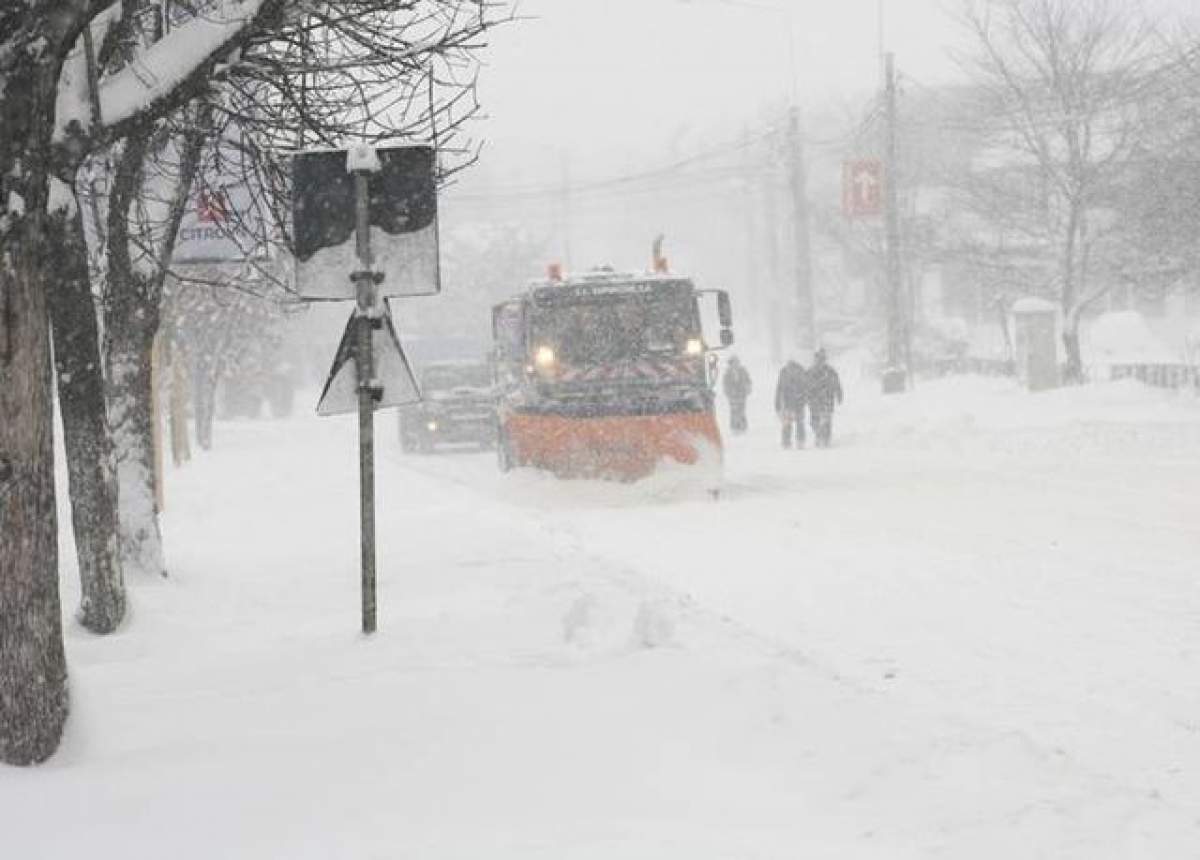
[824,391]
[737,386]
[790,398]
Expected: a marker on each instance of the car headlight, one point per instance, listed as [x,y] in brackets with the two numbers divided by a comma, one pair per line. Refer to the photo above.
[694,346]
[431,426]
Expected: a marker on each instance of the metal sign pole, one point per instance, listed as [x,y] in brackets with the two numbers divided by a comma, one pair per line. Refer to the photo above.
[336,193]
[364,281]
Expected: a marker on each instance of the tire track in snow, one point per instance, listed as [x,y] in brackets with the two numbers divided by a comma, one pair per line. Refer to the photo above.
[570,545]
[567,546]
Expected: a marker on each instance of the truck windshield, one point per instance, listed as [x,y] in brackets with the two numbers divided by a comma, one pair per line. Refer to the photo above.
[446,377]
[616,328]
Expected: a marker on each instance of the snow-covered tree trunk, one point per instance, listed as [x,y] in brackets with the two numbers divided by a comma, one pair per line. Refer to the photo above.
[1070,337]
[33,672]
[131,317]
[90,464]
[130,326]
[1070,291]
[204,395]
[181,449]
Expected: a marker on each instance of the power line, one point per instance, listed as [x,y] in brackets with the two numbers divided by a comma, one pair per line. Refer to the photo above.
[665,176]
[706,182]
[547,189]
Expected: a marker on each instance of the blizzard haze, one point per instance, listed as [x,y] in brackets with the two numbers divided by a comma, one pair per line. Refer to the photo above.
[618,79]
[607,83]
[769,463]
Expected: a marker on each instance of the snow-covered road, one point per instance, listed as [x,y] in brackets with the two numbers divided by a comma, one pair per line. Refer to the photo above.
[970,630]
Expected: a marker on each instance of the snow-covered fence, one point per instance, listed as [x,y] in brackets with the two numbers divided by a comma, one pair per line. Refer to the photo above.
[1173,376]
[966,364]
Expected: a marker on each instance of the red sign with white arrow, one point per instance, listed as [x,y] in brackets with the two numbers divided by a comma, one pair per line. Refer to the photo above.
[862,188]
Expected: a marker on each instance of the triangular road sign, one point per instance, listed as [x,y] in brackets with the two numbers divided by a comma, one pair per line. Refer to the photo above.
[392,372]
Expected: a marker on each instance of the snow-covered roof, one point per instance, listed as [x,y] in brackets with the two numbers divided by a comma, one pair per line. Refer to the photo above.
[604,276]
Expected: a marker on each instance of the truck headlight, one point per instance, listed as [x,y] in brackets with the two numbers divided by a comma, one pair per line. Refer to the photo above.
[694,346]
[544,358]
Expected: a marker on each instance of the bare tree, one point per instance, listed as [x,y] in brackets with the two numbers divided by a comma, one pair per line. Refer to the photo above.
[34,41]
[36,38]
[356,69]
[95,109]
[1162,191]
[138,254]
[1064,87]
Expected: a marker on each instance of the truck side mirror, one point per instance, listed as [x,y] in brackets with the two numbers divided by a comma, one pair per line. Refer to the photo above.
[724,317]
[496,311]
[724,312]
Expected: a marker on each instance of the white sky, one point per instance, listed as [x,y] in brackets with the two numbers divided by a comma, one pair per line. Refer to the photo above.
[614,83]
[630,75]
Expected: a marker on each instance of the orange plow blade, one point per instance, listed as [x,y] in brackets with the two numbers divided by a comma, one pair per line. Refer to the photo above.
[625,447]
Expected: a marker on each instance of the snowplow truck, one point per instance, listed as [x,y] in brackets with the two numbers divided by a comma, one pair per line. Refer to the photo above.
[607,375]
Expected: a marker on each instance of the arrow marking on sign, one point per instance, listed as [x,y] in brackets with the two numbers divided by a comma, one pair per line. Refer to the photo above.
[866,183]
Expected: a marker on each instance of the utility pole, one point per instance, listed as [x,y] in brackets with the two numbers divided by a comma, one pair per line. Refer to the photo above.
[805,323]
[895,374]
[773,304]
[751,293]
[880,33]
[565,173]
[800,322]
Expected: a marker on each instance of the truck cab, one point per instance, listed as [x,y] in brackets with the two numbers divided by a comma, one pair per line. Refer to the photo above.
[606,375]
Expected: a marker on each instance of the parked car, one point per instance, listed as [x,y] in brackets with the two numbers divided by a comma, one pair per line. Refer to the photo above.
[457,407]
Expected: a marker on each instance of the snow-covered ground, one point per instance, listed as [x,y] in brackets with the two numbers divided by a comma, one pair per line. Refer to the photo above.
[972,629]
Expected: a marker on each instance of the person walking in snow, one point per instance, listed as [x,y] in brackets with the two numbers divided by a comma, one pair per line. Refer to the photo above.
[790,398]
[737,388]
[824,391]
